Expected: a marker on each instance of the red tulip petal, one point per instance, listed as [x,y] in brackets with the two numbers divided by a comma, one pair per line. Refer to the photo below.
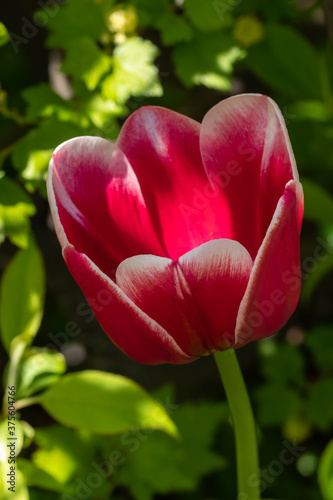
[97,203]
[163,149]
[275,283]
[129,328]
[244,142]
[196,298]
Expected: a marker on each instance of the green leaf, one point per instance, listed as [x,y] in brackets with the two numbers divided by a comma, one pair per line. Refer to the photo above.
[102,112]
[309,110]
[325,472]
[111,403]
[287,62]
[134,73]
[21,490]
[318,206]
[288,357]
[33,153]
[78,18]
[34,476]
[22,296]
[4,35]
[320,404]
[174,29]
[276,404]
[15,210]
[204,15]
[150,11]
[320,342]
[44,102]
[62,453]
[150,471]
[273,11]
[84,60]
[319,265]
[63,460]
[5,438]
[38,370]
[207,60]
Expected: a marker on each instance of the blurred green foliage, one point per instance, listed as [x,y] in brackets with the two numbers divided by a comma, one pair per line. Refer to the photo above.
[90,65]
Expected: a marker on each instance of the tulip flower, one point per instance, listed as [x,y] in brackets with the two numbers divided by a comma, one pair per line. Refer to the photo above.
[184,237]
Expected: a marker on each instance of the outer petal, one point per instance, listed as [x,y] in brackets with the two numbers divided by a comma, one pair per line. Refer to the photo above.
[97,203]
[196,298]
[245,143]
[129,328]
[275,283]
[163,148]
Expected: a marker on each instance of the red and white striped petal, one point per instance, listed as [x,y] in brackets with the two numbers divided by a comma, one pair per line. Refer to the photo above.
[244,142]
[97,204]
[137,335]
[274,287]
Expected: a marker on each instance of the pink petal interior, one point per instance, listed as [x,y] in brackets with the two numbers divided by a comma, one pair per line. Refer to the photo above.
[163,149]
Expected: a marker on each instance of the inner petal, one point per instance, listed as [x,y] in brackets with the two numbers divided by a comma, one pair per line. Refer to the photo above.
[195,298]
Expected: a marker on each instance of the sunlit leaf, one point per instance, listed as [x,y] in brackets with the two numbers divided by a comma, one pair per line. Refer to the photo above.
[86,61]
[102,112]
[4,35]
[20,491]
[111,403]
[207,60]
[43,102]
[22,296]
[15,210]
[150,470]
[133,72]
[38,370]
[325,472]
[6,435]
[35,476]
[32,155]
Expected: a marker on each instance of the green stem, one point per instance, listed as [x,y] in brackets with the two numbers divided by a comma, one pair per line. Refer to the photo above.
[23,403]
[244,425]
[15,358]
